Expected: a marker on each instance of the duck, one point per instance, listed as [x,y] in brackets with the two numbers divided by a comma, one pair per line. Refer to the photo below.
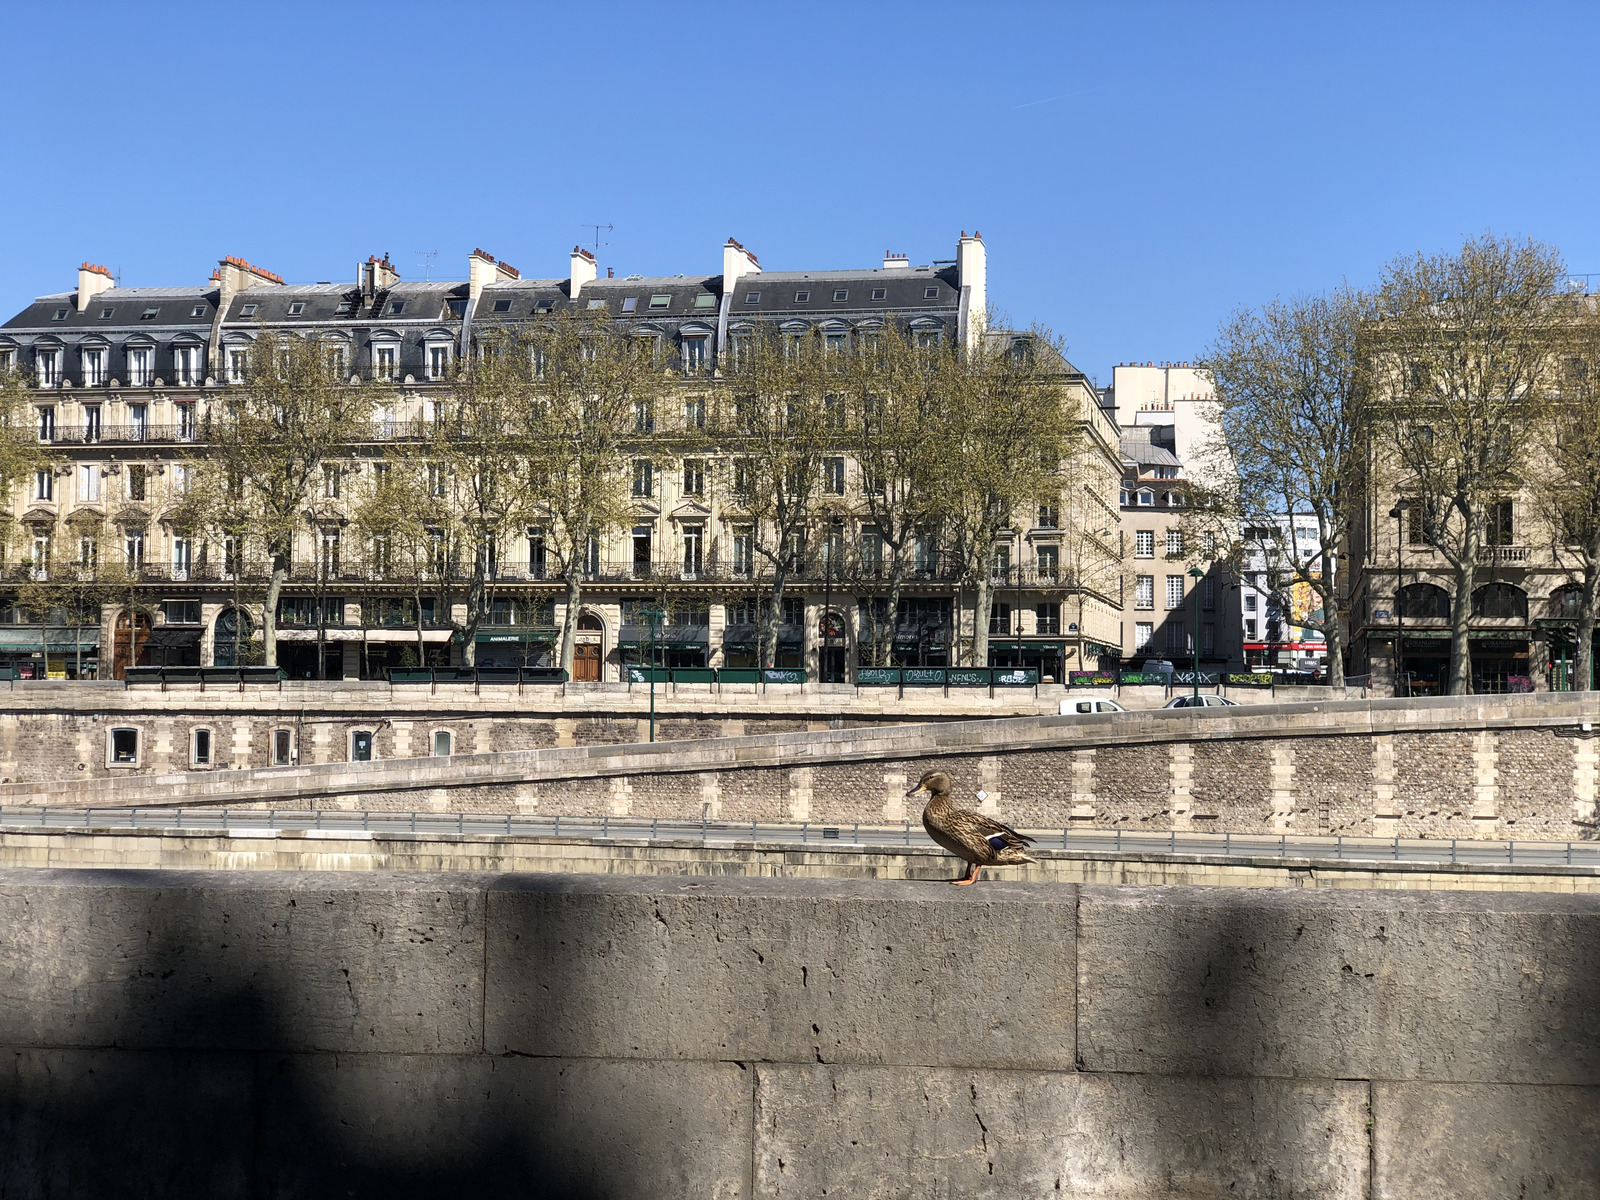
[980,840]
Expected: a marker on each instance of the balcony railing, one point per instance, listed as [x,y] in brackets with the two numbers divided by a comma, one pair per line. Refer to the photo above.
[112,435]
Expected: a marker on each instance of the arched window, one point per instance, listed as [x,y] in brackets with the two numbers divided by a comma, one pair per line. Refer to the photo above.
[1500,600]
[1419,601]
[1566,601]
[589,623]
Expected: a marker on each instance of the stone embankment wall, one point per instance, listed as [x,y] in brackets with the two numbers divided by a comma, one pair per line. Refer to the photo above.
[264,1034]
[60,731]
[1520,767]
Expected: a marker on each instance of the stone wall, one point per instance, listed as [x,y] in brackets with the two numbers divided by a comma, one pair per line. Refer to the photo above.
[590,1036]
[1519,767]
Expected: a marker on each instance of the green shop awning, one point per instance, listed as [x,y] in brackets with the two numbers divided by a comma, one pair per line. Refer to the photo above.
[1027,645]
[530,636]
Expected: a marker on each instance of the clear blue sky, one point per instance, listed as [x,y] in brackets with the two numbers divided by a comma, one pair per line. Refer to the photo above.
[1137,170]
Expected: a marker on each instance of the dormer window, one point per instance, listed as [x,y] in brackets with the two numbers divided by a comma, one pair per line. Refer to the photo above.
[705,300]
[150,313]
[752,297]
[106,313]
[438,361]
[1147,498]
[298,307]
[930,293]
[802,297]
[61,314]
[199,310]
[502,306]
[249,310]
[660,302]
[396,307]
[458,308]
[544,306]
[880,293]
[630,303]
[840,295]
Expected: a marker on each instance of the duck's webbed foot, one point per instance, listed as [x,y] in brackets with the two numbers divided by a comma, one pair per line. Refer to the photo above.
[969,878]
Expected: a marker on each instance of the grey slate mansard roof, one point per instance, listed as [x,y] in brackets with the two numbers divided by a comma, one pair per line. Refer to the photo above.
[424,302]
[127,306]
[1136,447]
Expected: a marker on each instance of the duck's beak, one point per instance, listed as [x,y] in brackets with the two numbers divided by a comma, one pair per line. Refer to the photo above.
[915,790]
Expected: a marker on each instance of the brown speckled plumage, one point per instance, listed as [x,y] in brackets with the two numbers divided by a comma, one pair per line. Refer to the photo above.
[980,840]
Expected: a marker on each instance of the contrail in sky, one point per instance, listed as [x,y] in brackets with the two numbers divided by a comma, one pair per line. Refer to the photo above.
[1063,96]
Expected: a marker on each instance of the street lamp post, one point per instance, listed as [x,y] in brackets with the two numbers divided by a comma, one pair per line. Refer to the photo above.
[1398,512]
[1197,575]
[655,614]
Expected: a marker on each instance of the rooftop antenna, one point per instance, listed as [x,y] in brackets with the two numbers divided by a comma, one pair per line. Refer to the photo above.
[597,242]
[427,257]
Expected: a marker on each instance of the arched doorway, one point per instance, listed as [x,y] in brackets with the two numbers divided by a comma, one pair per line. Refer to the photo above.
[128,643]
[590,651]
[232,641]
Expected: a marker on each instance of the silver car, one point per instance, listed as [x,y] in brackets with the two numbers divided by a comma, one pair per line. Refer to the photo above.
[1204,701]
[1078,708]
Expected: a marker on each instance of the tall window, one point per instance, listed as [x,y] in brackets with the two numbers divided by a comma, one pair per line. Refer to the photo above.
[1000,569]
[1144,595]
[833,476]
[236,359]
[1142,630]
[1174,591]
[91,423]
[1000,618]
[47,422]
[94,367]
[328,553]
[41,556]
[1500,531]
[644,417]
[743,550]
[693,538]
[643,478]
[694,413]
[1208,593]
[182,556]
[138,422]
[384,360]
[1144,543]
[436,479]
[694,477]
[186,423]
[438,362]
[48,365]
[1049,559]
[137,476]
[694,353]
[538,554]
[872,550]
[133,548]
[1174,543]
[330,480]
[1208,638]
[230,558]
[88,553]
[186,365]
[1048,618]
[1177,639]
[1049,516]
[44,484]
[141,361]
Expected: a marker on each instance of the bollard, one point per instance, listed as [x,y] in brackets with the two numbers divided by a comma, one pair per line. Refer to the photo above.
[461,823]
[803,827]
[558,826]
[652,827]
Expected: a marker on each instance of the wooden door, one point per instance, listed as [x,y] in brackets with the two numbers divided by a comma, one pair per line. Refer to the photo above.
[586,664]
[128,645]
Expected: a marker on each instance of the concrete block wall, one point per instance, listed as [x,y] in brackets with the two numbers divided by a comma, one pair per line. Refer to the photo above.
[242,1035]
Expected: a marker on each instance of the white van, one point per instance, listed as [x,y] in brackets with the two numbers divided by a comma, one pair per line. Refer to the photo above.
[1096,704]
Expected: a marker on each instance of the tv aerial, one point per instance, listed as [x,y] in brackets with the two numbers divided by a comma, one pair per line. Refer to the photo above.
[427,257]
[598,229]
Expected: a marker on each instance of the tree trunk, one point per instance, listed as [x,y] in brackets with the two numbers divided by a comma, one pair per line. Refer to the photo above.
[422,642]
[1332,635]
[767,651]
[475,603]
[269,612]
[1460,620]
[1583,667]
[569,623]
[983,594]
[884,637]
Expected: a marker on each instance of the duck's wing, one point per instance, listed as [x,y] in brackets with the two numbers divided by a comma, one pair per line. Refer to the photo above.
[999,836]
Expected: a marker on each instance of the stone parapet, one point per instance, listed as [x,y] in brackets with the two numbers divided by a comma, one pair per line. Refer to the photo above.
[590,1035]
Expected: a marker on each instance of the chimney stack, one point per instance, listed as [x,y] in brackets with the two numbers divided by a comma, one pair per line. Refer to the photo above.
[376,275]
[736,262]
[92,280]
[584,270]
[972,274]
[895,262]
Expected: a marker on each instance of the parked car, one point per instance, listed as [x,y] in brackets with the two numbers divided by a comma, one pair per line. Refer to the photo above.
[1078,708]
[1203,701]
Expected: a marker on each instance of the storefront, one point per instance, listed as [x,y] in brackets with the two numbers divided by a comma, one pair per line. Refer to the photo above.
[517,648]
[48,652]
[1500,662]
[1041,655]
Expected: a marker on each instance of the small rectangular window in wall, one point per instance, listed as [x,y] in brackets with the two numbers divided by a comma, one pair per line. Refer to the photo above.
[202,748]
[441,743]
[361,746]
[125,747]
[280,747]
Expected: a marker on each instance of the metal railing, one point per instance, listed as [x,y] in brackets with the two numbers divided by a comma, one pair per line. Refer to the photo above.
[823,835]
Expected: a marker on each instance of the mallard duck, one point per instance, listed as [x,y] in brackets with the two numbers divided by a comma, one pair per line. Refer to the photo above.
[978,839]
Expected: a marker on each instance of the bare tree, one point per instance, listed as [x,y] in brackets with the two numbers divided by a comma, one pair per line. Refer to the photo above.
[777,427]
[22,452]
[1291,383]
[1566,492]
[889,423]
[270,436]
[1008,425]
[589,378]
[1462,358]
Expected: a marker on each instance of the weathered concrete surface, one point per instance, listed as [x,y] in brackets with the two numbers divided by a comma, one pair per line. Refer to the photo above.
[591,1036]
[1452,987]
[798,971]
[825,1130]
[1484,1141]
